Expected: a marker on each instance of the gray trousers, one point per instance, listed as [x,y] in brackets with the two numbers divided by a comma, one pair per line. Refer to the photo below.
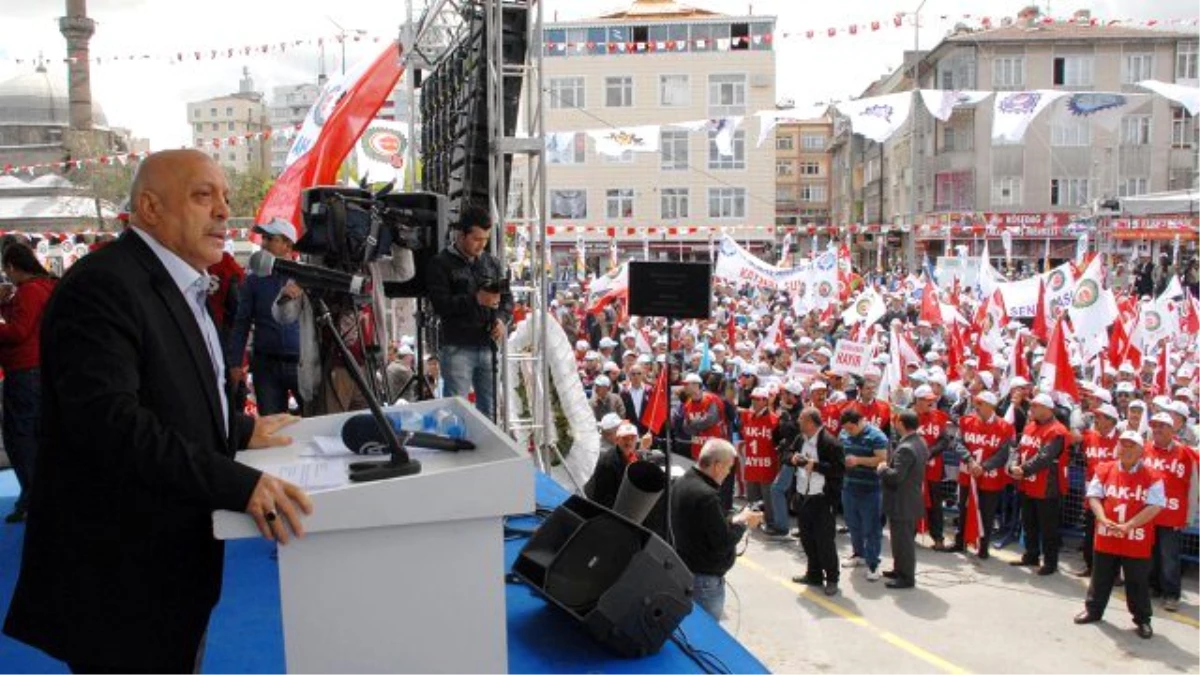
[904,549]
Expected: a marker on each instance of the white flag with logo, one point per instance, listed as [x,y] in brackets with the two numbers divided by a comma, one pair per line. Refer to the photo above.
[380,151]
[1103,108]
[1015,110]
[941,103]
[616,142]
[1093,308]
[824,287]
[877,117]
[868,308]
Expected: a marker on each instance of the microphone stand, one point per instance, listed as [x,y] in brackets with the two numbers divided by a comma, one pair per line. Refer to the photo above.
[399,464]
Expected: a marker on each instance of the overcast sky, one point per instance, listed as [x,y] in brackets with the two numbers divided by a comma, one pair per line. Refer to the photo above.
[150,96]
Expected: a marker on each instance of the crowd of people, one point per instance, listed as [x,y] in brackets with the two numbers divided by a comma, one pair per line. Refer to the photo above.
[759,404]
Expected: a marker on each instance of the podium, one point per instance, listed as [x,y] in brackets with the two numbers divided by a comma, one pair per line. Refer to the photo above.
[400,575]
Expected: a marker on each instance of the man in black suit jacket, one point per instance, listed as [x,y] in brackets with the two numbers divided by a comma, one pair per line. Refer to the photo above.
[820,463]
[635,406]
[903,502]
[120,570]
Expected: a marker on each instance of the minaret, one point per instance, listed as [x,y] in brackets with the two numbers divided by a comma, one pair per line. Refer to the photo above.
[77,28]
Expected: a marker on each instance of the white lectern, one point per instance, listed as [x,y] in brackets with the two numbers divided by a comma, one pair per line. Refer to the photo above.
[400,575]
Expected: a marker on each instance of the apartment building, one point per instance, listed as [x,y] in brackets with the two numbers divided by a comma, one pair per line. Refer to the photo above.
[215,120]
[289,106]
[659,63]
[803,174]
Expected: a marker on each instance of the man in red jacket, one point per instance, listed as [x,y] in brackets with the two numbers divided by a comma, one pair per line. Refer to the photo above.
[1042,474]
[937,430]
[1124,497]
[21,308]
[1176,463]
[761,462]
[1098,445]
[986,440]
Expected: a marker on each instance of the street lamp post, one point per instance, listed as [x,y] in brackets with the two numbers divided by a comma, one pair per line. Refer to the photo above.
[910,248]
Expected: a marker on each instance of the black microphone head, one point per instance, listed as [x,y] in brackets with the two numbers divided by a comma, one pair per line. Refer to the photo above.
[361,435]
[262,263]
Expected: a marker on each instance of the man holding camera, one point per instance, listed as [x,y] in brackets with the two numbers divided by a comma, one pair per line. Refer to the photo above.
[469,294]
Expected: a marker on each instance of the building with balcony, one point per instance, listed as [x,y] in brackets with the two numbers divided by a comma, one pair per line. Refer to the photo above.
[658,63]
[803,173]
[289,106]
[239,115]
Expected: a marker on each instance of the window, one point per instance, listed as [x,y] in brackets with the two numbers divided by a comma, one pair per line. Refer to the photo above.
[232,156]
[229,111]
[669,37]
[954,191]
[726,203]
[810,168]
[785,168]
[787,142]
[1071,134]
[739,34]
[625,157]
[229,126]
[553,36]
[568,204]
[1008,72]
[1135,130]
[702,38]
[1183,129]
[785,193]
[566,92]
[812,142]
[566,148]
[673,91]
[1185,61]
[618,92]
[673,146]
[199,127]
[948,139]
[197,113]
[737,160]
[812,193]
[1073,71]
[1068,191]
[956,71]
[515,206]
[1132,187]
[212,112]
[619,203]
[1137,67]
[674,203]
[1006,191]
[726,95]
[215,126]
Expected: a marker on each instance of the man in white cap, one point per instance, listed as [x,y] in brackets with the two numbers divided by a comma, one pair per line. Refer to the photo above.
[703,414]
[1098,445]
[1183,431]
[607,345]
[1136,418]
[608,430]
[1177,465]
[760,460]
[1040,468]
[986,440]
[605,482]
[1124,496]
[1015,406]
[604,401]
[275,357]
[937,429]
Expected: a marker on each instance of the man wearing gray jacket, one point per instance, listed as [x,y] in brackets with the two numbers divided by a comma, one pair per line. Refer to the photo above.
[903,505]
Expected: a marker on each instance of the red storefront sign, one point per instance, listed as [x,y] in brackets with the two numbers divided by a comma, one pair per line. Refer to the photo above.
[1155,228]
[992,225]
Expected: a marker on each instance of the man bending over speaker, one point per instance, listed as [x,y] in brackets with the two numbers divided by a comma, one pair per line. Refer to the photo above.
[470,295]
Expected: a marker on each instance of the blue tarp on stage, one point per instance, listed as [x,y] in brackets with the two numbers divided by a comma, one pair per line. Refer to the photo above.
[246,633]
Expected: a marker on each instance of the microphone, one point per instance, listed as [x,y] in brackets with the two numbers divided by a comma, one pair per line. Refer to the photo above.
[361,435]
[264,264]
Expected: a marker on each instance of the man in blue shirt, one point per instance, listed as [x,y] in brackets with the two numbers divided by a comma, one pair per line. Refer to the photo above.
[275,354]
[865,447]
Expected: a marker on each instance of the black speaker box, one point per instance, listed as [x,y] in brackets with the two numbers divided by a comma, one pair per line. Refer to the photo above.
[621,581]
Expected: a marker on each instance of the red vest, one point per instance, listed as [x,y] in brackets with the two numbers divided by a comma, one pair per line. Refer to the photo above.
[831,414]
[1175,465]
[695,410]
[983,440]
[877,412]
[1033,439]
[1097,449]
[1124,497]
[761,461]
[932,424]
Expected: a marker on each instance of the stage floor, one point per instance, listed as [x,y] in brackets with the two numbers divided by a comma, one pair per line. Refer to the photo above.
[246,633]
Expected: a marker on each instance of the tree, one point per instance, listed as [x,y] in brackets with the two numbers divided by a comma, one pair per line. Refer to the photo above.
[247,191]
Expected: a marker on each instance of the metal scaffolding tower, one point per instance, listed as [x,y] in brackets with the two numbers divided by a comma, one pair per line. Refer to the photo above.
[518,156]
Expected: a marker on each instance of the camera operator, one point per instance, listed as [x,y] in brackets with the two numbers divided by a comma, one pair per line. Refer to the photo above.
[469,294]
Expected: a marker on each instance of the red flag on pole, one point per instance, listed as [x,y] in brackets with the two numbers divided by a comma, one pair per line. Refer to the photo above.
[336,135]
[1041,329]
[930,310]
[1057,360]
[732,329]
[1191,315]
[655,414]
[972,518]
[1161,376]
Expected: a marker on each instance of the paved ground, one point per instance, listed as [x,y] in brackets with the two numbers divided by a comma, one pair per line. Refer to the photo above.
[965,616]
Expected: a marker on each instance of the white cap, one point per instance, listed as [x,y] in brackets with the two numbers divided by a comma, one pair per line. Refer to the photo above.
[692,378]
[626,429]
[661,358]
[610,365]
[938,378]
[591,356]
[607,343]
[1043,399]
[602,381]
[1127,369]
[931,356]
[278,227]
[987,379]
[1160,401]
[971,362]
[1125,388]
[405,350]
[824,351]
[1131,435]
[1018,381]
[1108,411]
[582,345]
[794,387]
[645,359]
[717,368]
[923,324]
[1185,393]
[1137,403]
[817,385]
[924,391]
[1179,408]
[760,392]
[1162,418]
[720,349]
[610,421]
[987,397]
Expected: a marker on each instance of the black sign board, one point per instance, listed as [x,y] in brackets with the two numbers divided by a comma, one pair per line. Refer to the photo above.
[671,290]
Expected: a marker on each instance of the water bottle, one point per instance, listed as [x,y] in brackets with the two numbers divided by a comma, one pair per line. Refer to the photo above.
[408,420]
[429,423]
[450,425]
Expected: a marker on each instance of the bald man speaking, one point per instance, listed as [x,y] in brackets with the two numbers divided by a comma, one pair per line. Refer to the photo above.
[120,570]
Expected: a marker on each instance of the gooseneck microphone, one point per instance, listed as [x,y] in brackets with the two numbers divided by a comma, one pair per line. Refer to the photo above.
[264,264]
[361,434]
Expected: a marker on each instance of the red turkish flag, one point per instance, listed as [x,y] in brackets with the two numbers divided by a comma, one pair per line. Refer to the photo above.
[1040,327]
[930,310]
[1191,315]
[972,518]
[1063,379]
[655,414]
[349,119]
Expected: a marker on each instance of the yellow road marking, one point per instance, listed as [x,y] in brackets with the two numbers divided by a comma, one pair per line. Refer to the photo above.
[857,619]
[1118,593]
